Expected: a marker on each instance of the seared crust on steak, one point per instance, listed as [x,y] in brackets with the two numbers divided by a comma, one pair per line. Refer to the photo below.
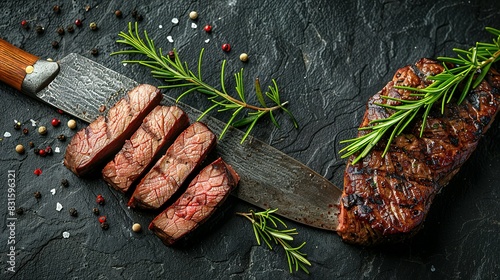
[387,198]
[157,131]
[168,174]
[97,143]
[202,197]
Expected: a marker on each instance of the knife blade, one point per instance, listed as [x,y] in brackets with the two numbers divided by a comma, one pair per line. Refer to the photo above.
[269,177]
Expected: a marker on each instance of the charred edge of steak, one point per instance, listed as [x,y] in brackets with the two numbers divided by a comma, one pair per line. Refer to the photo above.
[157,132]
[170,172]
[387,198]
[206,192]
[94,145]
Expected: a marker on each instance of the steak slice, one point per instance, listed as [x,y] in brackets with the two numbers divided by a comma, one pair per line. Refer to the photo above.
[202,197]
[168,174]
[387,198]
[103,138]
[157,131]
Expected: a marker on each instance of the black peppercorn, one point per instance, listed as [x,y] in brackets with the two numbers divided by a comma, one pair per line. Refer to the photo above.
[17,126]
[139,18]
[39,29]
[70,28]
[25,130]
[118,13]
[105,225]
[60,31]
[94,51]
[61,137]
[20,211]
[95,211]
[171,55]
[56,9]
[37,195]
[64,183]
[36,151]
[31,144]
[73,212]
[55,44]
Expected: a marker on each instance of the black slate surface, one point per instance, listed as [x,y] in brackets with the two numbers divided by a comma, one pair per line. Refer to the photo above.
[328,58]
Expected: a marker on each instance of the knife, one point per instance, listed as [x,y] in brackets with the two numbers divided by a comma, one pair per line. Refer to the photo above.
[269,177]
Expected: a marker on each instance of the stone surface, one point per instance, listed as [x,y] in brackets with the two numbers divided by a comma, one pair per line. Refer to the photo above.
[328,57]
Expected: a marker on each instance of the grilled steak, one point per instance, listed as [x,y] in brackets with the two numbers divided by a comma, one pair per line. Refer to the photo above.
[169,173]
[387,198]
[157,131]
[202,197]
[95,144]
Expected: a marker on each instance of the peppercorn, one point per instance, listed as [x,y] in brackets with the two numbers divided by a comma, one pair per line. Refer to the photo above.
[100,199]
[17,126]
[42,130]
[118,13]
[55,44]
[37,195]
[20,211]
[20,149]
[226,47]
[73,212]
[244,57]
[25,131]
[207,28]
[102,219]
[171,55]
[36,151]
[139,18]
[105,226]
[193,15]
[70,28]
[65,183]
[61,137]
[25,24]
[93,26]
[72,124]
[48,150]
[42,152]
[37,172]
[39,29]
[56,9]
[55,122]
[31,144]
[60,31]
[78,22]
[94,51]
[136,227]
[95,210]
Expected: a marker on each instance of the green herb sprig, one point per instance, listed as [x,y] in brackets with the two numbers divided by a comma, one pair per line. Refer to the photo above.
[470,68]
[178,75]
[266,228]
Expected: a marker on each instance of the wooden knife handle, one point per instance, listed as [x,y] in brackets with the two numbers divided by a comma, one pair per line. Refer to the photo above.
[13,64]
[24,71]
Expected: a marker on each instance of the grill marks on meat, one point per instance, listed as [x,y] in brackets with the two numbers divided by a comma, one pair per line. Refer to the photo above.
[164,179]
[387,198]
[202,197]
[95,144]
[157,131]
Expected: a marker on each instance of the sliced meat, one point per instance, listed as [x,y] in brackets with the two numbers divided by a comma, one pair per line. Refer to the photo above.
[157,131]
[387,198]
[202,197]
[97,143]
[169,173]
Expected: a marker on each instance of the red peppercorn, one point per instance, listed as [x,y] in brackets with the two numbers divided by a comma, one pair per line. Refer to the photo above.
[55,122]
[78,22]
[100,199]
[37,172]
[48,150]
[60,111]
[24,24]
[226,47]
[207,28]
[42,152]
[102,219]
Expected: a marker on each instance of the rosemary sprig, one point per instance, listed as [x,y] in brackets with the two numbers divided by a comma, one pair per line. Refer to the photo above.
[470,68]
[265,227]
[178,75]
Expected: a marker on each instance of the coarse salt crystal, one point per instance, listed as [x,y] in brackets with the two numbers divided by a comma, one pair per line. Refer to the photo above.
[170,39]
[65,234]
[33,122]
[57,150]
[193,25]
[7,134]
[175,20]
[160,26]
[207,40]
[53,191]
[125,64]
[59,207]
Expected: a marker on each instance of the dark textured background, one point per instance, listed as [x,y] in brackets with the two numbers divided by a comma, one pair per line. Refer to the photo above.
[328,58]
